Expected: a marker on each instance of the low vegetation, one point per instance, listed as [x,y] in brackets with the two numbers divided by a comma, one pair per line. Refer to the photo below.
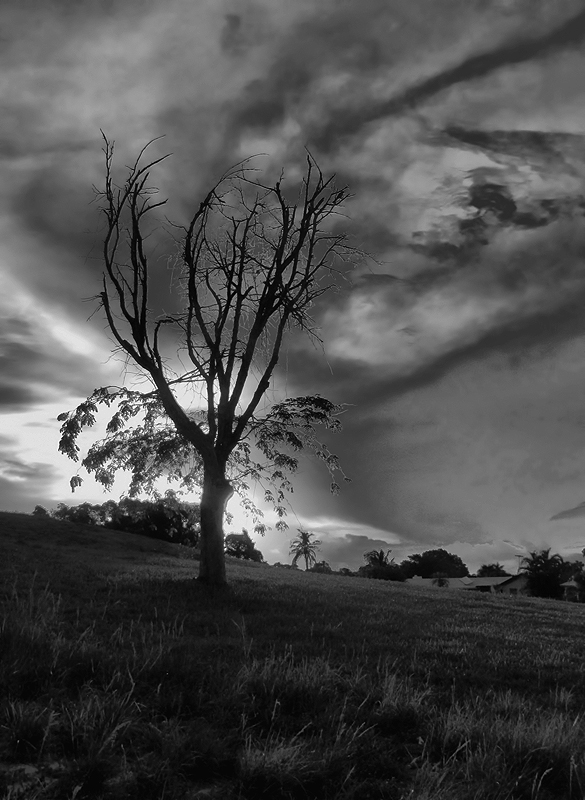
[122,677]
[167,517]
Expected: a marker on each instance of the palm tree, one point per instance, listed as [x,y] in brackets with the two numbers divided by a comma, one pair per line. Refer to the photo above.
[305,547]
[378,558]
[545,573]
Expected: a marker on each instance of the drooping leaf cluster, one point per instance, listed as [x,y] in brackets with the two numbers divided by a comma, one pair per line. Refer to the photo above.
[141,440]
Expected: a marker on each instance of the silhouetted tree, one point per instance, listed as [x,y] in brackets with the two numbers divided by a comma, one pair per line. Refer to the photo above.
[346,571]
[321,567]
[240,545]
[378,558]
[545,573]
[380,566]
[166,518]
[84,513]
[432,561]
[304,546]
[492,571]
[40,511]
[250,266]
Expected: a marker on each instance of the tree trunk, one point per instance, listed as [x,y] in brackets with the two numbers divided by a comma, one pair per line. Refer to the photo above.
[216,493]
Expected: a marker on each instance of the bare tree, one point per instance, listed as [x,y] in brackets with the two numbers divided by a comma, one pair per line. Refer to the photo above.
[250,265]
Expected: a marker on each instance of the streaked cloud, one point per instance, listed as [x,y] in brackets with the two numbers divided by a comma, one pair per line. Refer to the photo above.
[571,513]
[458,128]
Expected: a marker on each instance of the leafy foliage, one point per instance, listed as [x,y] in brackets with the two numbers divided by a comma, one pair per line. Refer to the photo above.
[304,546]
[432,561]
[545,573]
[249,265]
[378,558]
[152,448]
[165,518]
[240,545]
[388,572]
[492,571]
[380,566]
[40,511]
[321,567]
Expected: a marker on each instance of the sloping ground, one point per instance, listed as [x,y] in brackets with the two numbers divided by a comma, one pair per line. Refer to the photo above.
[50,548]
[120,682]
[43,544]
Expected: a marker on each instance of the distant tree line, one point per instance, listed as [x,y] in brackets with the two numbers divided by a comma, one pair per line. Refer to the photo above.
[172,520]
[545,573]
[166,518]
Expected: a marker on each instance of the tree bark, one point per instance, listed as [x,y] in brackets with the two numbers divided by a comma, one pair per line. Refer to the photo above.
[216,493]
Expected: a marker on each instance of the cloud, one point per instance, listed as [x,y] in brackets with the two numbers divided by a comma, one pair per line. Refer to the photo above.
[23,483]
[571,513]
[419,109]
[38,344]
[519,285]
[513,51]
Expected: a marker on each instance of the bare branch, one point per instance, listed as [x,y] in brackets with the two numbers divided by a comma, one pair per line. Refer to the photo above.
[249,264]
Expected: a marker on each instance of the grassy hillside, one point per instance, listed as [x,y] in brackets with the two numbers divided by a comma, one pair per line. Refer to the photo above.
[120,677]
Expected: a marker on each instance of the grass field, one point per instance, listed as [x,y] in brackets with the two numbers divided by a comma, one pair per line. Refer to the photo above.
[121,677]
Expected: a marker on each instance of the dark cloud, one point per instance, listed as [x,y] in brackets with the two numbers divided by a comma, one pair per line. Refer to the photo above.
[517,340]
[231,35]
[571,513]
[15,397]
[547,147]
[24,484]
[350,548]
[36,365]
[525,333]
[226,79]
[48,202]
[570,34]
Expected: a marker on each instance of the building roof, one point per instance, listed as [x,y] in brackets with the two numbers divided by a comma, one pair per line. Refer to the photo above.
[466,582]
[512,578]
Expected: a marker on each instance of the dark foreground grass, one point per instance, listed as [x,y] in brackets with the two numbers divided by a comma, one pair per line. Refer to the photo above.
[138,684]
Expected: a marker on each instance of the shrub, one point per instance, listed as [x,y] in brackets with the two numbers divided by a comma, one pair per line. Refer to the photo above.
[40,511]
[165,518]
[322,567]
[387,572]
[240,545]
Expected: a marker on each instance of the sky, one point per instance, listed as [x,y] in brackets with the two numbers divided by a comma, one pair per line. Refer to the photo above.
[458,344]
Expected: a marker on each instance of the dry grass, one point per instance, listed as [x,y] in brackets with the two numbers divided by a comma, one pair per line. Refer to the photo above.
[121,677]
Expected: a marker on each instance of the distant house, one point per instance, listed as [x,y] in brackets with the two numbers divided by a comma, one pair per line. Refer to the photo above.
[516,584]
[571,590]
[511,585]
